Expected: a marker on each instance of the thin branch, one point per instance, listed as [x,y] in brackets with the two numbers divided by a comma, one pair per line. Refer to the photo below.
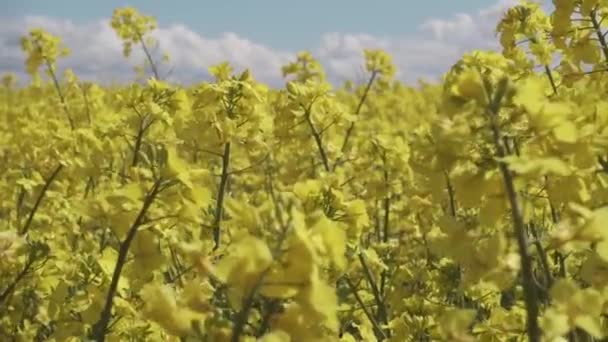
[250,167]
[544,261]
[551,79]
[377,329]
[530,290]
[451,196]
[64,104]
[381,311]
[219,205]
[100,328]
[11,287]
[599,34]
[243,315]
[149,57]
[211,152]
[386,225]
[603,163]
[45,188]
[317,137]
[86,103]
[349,132]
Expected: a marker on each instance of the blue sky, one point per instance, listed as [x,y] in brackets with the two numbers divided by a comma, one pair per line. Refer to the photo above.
[424,37]
[279,23]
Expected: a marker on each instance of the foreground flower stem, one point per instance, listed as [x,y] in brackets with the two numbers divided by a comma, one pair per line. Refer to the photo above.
[100,328]
[530,290]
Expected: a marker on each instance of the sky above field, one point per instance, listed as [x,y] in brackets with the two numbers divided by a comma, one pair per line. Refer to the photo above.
[424,37]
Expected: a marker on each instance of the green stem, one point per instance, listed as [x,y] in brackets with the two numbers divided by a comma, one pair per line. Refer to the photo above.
[45,188]
[350,129]
[141,132]
[549,74]
[6,293]
[382,314]
[243,315]
[451,196]
[64,104]
[219,206]
[317,138]
[86,103]
[530,290]
[543,256]
[377,329]
[600,36]
[386,222]
[100,328]
[148,56]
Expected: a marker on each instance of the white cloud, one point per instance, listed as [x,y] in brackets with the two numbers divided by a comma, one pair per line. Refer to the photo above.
[429,52]
[97,53]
